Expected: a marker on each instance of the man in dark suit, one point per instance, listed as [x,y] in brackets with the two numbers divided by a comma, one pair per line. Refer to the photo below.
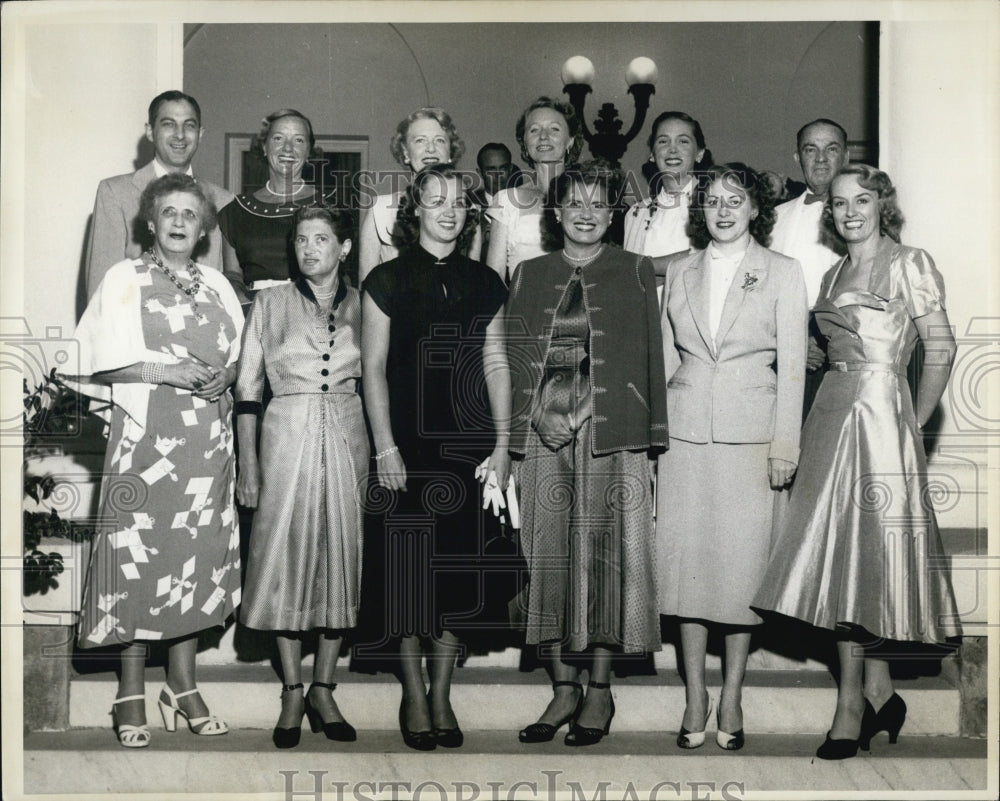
[498,172]
[174,128]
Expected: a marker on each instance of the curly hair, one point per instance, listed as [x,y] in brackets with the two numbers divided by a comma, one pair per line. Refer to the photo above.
[597,173]
[456,147]
[406,233]
[573,126]
[259,141]
[656,178]
[341,221]
[890,217]
[177,182]
[746,179]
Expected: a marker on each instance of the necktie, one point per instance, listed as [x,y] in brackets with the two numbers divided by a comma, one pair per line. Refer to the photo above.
[811,198]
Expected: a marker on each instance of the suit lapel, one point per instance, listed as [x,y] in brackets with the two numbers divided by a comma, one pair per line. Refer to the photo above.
[696,288]
[752,273]
[142,177]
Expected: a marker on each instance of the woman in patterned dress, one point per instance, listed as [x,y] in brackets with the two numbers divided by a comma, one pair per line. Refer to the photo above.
[432,342]
[857,548]
[304,565]
[583,338]
[256,228]
[160,339]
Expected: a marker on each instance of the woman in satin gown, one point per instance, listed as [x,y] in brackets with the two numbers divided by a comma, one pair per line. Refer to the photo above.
[857,548]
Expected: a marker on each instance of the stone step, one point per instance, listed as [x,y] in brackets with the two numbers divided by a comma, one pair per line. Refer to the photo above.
[506,699]
[491,764]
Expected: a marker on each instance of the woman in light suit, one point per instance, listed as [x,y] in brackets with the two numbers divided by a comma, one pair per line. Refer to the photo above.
[734,342]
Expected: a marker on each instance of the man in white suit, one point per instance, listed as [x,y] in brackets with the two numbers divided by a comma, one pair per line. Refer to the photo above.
[821,150]
[174,129]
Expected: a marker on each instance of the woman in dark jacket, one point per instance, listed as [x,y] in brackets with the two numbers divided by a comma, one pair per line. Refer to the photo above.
[589,402]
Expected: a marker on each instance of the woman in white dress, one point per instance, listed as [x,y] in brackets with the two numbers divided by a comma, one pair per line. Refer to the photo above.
[551,136]
[657,225]
[426,136]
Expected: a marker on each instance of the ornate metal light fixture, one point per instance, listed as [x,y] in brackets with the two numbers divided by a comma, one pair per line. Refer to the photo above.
[607,141]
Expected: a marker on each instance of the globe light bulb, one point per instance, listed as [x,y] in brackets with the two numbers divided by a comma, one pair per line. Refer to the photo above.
[640,70]
[579,69]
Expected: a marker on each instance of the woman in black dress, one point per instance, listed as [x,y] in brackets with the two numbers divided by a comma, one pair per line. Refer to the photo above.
[431,342]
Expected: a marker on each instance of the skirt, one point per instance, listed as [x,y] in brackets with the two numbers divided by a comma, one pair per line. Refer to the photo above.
[713,529]
[304,566]
[587,537]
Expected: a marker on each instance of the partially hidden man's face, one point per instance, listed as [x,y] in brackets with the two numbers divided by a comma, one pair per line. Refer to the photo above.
[175,134]
[821,153]
[495,167]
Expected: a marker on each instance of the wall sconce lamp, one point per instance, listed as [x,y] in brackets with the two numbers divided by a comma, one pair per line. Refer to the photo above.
[607,141]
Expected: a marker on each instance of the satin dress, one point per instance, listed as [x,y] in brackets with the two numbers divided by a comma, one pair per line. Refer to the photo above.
[857,544]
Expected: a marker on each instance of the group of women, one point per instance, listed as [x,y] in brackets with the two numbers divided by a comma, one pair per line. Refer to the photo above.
[553,362]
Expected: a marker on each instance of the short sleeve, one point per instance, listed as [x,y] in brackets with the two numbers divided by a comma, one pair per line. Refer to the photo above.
[492,294]
[249,387]
[380,287]
[502,207]
[921,284]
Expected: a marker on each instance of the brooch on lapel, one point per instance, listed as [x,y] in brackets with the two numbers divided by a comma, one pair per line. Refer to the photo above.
[749,279]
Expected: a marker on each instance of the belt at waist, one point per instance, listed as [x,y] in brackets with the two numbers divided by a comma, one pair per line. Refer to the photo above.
[867,367]
[267,283]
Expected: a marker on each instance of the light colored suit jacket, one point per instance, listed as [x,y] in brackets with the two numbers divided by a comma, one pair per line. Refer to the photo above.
[797,234]
[116,233]
[730,392]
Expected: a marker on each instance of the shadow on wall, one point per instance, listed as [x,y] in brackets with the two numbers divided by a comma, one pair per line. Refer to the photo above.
[143,155]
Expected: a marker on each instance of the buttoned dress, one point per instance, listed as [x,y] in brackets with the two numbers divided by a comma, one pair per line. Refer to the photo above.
[304,564]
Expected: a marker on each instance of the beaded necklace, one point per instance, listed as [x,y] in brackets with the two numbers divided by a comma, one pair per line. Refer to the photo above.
[192,290]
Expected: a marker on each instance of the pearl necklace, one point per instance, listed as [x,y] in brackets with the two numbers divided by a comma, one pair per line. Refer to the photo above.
[293,193]
[583,259]
[192,290]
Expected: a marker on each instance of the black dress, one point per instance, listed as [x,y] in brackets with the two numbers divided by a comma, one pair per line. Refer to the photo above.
[427,543]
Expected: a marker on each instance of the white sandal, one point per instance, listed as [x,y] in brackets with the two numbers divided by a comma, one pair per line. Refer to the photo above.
[129,735]
[170,709]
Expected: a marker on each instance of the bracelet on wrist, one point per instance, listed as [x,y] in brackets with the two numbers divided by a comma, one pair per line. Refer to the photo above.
[152,372]
[382,454]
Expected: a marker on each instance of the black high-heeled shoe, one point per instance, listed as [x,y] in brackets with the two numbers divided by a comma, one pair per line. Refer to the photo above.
[585,735]
[339,730]
[418,740]
[287,737]
[889,719]
[837,749]
[544,732]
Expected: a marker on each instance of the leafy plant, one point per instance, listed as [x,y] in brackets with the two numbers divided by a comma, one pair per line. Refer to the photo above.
[52,411]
